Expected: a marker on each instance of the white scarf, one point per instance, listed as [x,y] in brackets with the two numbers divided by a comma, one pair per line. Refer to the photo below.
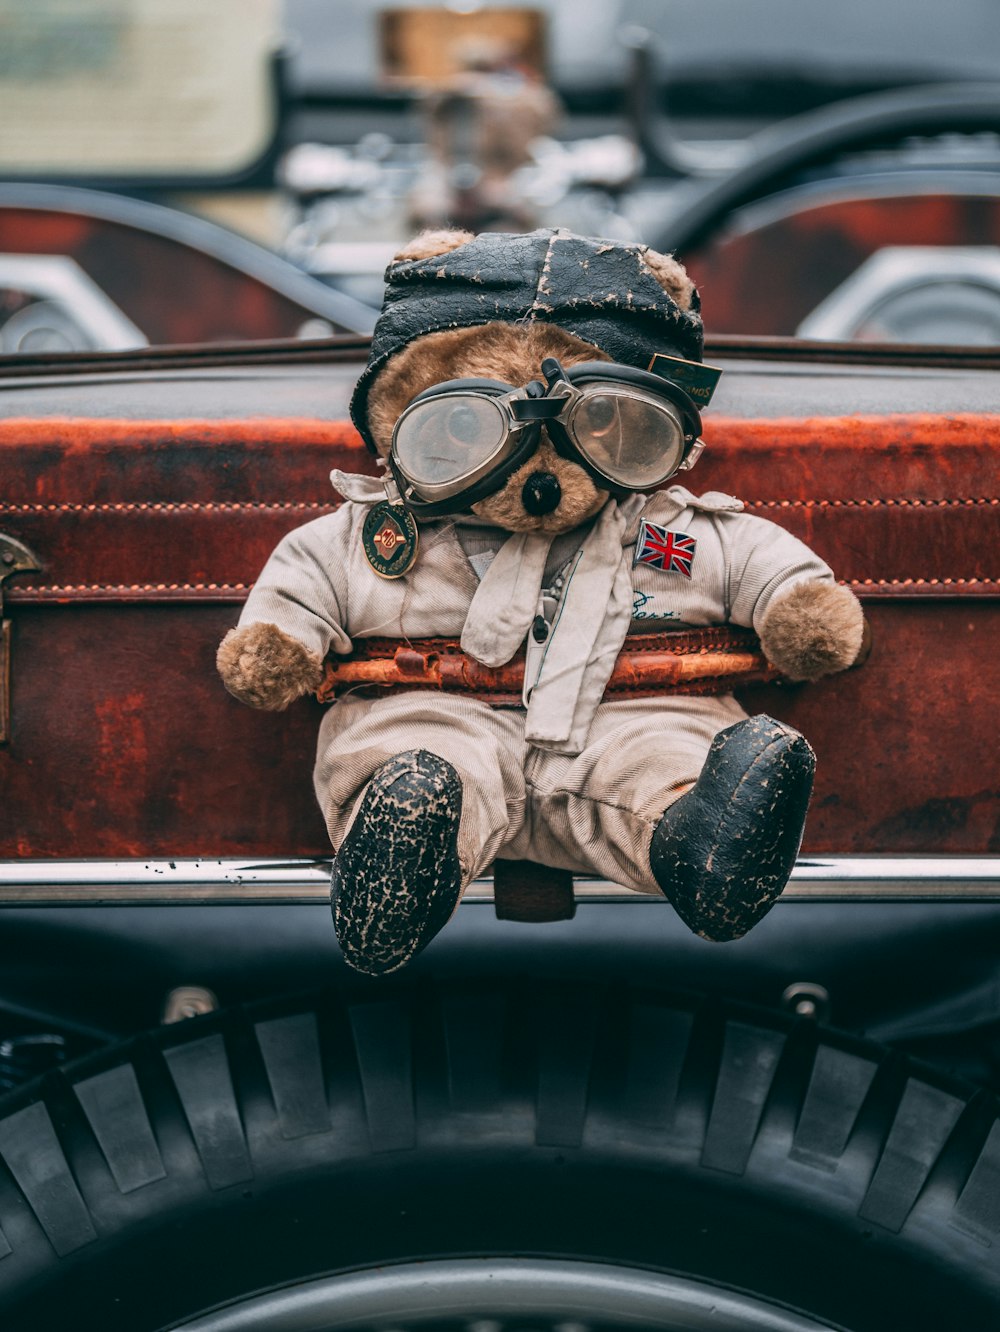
[591,622]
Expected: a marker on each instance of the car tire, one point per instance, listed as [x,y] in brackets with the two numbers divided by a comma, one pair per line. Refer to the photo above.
[273,1164]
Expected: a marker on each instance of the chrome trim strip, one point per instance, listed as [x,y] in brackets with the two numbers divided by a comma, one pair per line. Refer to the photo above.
[296,881]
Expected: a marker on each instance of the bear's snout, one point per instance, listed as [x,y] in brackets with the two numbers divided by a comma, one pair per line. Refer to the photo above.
[547,494]
[541,494]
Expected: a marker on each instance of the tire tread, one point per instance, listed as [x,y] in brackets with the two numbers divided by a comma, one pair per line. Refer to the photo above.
[117,1115]
[201,1073]
[743,1104]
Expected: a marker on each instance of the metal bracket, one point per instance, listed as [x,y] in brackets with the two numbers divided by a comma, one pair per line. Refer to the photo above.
[15,558]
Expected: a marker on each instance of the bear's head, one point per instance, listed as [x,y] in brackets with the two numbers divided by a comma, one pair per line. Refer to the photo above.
[490,310]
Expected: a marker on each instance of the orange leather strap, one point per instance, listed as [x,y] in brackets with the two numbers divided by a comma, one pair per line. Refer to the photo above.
[686,661]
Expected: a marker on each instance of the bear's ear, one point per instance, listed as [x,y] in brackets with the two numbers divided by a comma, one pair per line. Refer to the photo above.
[671,276]
[431,243]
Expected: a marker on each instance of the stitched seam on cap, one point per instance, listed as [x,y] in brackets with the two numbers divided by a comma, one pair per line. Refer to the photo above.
[543,275]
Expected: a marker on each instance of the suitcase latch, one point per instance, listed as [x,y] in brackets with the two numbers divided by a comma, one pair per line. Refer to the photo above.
[15,558]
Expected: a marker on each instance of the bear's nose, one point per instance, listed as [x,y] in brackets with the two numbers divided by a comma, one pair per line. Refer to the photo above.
[541,494]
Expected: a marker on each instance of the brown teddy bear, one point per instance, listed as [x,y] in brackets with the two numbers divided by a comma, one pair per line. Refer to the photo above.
[525,437]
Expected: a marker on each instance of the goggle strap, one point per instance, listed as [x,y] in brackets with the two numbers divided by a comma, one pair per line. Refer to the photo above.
[536,409]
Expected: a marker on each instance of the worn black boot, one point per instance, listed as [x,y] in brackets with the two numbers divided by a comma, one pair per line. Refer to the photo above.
[723,852]
[397,878]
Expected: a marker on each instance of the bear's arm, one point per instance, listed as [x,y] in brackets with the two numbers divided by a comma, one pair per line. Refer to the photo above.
[808,624]
[294,615]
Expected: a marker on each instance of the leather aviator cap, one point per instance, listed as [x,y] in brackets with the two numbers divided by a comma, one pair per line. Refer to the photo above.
[601,291]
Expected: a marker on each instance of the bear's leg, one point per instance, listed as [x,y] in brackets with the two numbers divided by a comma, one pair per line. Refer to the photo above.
[723,852]
[397,877]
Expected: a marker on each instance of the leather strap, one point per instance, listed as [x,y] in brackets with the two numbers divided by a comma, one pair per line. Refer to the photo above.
[715,660]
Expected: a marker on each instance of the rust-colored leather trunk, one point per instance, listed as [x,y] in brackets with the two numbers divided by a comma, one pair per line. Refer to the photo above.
[123,742]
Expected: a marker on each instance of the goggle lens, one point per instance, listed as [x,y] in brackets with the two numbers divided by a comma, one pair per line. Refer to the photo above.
[631,439]
[441,440]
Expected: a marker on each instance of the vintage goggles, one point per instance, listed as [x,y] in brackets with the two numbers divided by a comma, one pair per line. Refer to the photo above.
[461,440]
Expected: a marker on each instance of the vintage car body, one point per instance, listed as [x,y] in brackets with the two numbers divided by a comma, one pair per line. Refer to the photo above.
[150,501]
[169,276]
[577,1125]
[582,1106]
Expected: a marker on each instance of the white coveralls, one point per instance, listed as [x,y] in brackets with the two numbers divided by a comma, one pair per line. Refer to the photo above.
[572,781]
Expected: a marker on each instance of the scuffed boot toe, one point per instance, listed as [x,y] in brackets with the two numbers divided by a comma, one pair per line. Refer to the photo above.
[724,851]
[397,877]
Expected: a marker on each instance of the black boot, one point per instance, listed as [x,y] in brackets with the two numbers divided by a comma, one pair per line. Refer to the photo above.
[723,852]
[397,878]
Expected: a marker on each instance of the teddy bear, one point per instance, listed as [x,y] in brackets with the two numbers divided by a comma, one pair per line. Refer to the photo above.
[525,396]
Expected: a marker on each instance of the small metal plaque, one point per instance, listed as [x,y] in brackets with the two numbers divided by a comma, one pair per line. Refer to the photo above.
[698,381]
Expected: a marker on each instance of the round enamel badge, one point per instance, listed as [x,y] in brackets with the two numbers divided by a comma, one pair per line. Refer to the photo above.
[389,538]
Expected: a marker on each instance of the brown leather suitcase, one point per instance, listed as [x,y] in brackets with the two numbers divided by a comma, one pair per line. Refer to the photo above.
[152,489]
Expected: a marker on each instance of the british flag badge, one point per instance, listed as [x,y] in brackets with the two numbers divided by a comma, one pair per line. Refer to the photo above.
[673,552]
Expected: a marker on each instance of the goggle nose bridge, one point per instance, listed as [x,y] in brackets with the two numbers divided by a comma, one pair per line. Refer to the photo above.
[543,409]
[547,410]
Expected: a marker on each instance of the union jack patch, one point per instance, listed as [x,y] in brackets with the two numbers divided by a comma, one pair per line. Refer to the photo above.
[673,552]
